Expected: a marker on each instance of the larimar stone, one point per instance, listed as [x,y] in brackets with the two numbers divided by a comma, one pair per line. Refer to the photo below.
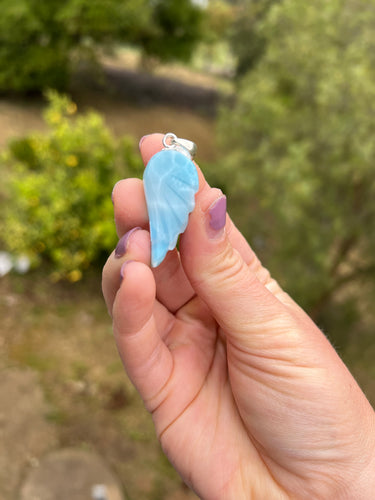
[170,183]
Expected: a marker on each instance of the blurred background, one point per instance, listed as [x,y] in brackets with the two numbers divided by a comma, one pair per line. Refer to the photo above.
[279,96]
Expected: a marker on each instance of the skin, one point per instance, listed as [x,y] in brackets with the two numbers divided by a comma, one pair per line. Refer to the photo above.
[248,397]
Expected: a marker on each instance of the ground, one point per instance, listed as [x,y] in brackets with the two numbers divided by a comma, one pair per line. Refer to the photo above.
[63,387]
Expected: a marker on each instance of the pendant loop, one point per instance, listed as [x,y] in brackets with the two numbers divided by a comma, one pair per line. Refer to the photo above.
[186,147]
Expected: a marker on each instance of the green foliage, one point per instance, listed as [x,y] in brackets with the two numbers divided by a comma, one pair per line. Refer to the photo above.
[176,27]
[214,53]
[301,150]
[219,18]
[59,206]
[31,50]
[40,42]
[245,38]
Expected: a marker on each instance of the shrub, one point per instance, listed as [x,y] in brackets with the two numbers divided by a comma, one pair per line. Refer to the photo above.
[300,169]
[58,206]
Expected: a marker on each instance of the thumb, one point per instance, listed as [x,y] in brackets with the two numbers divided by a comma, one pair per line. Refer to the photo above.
[237,298]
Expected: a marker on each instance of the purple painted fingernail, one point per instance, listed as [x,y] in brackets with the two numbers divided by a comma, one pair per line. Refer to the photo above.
[121,247]
[217,214]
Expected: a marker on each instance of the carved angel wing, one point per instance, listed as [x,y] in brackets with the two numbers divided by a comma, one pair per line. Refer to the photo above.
[170,183]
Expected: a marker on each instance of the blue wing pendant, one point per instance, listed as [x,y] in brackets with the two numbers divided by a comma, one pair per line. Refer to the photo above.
[170,183]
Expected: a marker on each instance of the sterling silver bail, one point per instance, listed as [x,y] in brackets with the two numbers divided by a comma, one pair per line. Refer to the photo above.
[184,146]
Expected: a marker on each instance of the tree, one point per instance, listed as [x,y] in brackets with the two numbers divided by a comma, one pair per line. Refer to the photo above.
[175,29]
[245,38]
[39,41]
[300,153]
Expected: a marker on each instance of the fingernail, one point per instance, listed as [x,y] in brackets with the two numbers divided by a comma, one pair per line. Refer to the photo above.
[112,196]
[142,139]
[217,213]
[121,247]
[122,270]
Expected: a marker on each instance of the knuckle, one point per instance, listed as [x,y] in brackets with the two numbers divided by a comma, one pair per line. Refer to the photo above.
[226,268]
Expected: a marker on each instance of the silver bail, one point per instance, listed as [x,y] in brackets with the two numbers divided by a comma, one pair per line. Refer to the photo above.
[184,146]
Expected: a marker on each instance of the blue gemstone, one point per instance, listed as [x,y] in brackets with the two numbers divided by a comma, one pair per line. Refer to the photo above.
[170,183]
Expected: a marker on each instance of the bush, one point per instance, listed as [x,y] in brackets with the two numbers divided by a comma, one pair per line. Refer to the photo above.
[300,170]
[176,28]
[58,206]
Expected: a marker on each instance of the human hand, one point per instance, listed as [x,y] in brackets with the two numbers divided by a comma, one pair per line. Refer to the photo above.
[248,397]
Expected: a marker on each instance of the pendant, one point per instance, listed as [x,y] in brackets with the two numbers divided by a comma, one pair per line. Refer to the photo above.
[170,182]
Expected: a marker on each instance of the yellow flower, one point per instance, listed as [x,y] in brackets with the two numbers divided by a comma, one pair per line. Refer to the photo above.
[55,117]
[75,275]
[71,108]
[71,161]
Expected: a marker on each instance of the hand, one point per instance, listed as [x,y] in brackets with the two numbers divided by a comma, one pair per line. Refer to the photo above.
[248,397]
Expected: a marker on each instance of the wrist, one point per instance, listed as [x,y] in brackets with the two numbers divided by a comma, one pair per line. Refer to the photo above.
[363,488]
[249,486]
[362,485]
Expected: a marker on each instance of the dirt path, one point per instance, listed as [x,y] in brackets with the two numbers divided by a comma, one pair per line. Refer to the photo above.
[56,346]
[25,434]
